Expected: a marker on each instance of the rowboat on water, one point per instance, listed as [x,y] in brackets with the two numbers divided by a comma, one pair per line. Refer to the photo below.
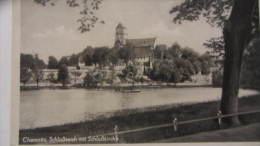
[131,90]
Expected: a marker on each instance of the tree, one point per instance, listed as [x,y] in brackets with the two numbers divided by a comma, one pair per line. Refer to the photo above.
[52,63]
[237,34]
[99,77]
[63,61]
[27,61]
[63,74]
[189,54]
[87,55]
[166,69]
[113,56]
[250,72]
[197,66]
[31,67]
[217,78]
[89,80]
[186,68]
[160,51]
[174,51]
[206,64]
[130,71]
[100,56]
[37,75]
[176,76]
[25,75]
[73,60]
[238,30]
[38,63]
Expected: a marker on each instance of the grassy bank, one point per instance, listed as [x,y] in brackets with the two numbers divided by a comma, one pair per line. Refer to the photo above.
[139,118]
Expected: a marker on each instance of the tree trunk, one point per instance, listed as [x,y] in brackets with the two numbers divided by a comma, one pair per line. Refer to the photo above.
[37,82]
[63,83]
[237,32]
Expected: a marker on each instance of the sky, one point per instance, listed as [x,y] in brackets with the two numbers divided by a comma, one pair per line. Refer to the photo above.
[52,30]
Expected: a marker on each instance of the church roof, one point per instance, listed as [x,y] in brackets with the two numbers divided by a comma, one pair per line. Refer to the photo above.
[142,52]
[146,42]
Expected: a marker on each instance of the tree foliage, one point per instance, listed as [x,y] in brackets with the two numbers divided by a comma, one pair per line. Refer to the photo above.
[182,64]
[92,79]
[216,13]
[130,71]
[73,60]
[25,75]
[100,56]
[37,75]
[250,75]
[87,55]
[241,26]
[52,62]
[87,15]
[63,74]
[31,68]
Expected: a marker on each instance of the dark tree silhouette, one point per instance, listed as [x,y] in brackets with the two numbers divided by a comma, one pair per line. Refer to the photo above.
[52,63]
[239,20]
[63,74]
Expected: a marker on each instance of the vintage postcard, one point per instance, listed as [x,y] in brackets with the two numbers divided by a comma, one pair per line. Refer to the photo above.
[138,71]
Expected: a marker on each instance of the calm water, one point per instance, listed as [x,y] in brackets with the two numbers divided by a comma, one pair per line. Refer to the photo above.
[40,108]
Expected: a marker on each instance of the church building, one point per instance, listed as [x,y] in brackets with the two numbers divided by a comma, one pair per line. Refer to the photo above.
[142,48]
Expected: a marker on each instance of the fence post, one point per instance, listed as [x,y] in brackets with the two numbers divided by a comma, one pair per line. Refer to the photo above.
[219,114]
[175,124]
[116,129]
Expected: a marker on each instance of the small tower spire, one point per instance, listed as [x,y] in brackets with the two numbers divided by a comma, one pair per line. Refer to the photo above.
[120,36]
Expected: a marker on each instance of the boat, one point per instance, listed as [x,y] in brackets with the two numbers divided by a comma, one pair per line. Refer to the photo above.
[125,90]
[130,91]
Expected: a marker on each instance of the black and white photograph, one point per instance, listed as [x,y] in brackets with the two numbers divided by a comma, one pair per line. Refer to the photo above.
[139,71]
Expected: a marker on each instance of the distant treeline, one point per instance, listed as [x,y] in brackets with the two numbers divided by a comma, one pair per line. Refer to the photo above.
[170,64]
[176,64]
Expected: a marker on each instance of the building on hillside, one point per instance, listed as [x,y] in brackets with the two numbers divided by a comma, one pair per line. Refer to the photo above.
[141,49]
[50,74]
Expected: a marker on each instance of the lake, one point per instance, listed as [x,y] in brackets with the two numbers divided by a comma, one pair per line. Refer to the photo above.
[46,107]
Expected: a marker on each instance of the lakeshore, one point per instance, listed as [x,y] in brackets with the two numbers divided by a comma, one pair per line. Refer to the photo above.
[128,85]
[139,118]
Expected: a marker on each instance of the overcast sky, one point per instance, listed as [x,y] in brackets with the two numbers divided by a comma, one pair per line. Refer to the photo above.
[52,30]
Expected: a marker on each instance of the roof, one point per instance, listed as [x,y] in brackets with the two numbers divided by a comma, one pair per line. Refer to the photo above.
[120,25]
[146,42]
[142,52]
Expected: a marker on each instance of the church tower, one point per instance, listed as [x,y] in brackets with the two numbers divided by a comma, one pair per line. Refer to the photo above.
[120,36]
